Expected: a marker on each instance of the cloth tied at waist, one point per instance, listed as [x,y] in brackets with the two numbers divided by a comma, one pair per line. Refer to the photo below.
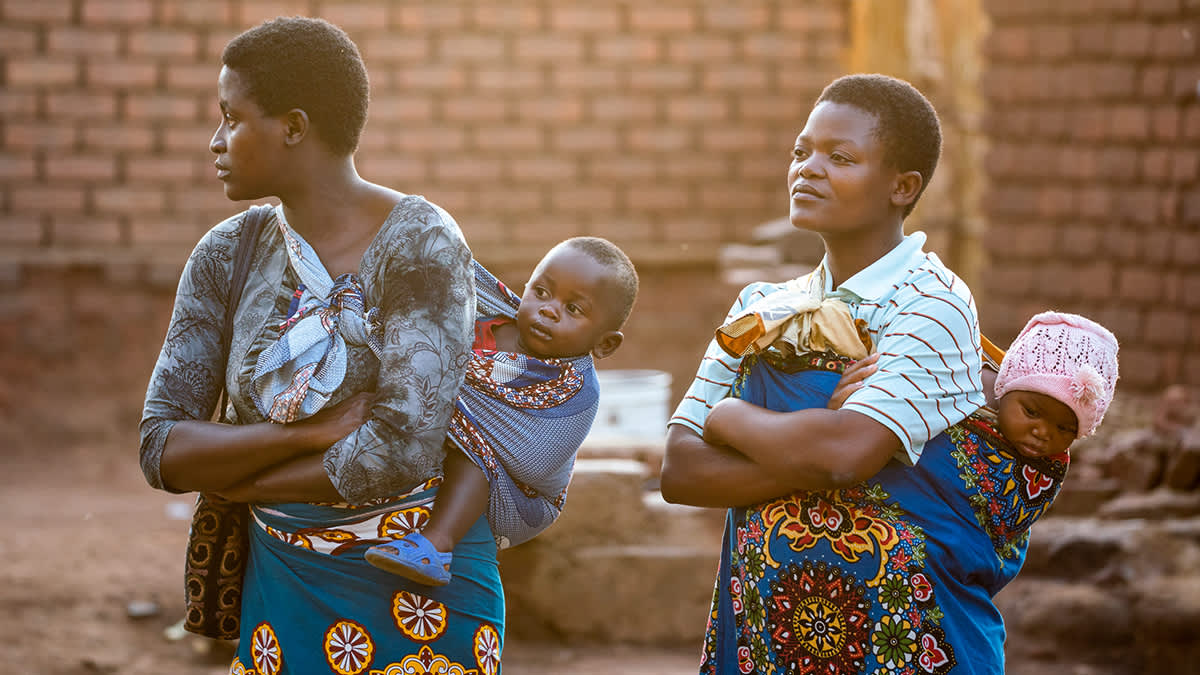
[797,314]
[298,374]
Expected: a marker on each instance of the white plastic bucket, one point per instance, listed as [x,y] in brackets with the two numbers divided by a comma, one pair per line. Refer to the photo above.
[633,405]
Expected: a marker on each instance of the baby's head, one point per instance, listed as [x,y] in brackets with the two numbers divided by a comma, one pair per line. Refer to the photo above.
[1055,383]
[577,300]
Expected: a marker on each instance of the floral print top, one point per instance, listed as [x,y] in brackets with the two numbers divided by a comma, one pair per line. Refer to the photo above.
[417,271]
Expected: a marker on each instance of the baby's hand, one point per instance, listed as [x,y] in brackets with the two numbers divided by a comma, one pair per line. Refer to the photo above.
[852,380]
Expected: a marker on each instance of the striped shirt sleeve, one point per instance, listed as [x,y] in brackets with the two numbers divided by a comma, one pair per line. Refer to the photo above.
[928,372]
[717,370]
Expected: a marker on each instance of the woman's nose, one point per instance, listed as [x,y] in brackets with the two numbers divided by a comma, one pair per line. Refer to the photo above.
[216,144]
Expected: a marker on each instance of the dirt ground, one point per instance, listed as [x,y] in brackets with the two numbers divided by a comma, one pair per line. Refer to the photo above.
[87,538]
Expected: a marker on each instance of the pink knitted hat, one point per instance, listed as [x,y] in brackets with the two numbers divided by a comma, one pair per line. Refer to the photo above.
[1065,356]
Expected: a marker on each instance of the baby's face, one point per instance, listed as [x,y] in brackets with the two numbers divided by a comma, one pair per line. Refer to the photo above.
[567,306]
[1037,425]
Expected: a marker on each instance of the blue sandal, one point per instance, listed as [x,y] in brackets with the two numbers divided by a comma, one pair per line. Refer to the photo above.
[412,557]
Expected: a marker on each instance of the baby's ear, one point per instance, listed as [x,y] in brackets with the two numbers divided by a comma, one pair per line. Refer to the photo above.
[607,344]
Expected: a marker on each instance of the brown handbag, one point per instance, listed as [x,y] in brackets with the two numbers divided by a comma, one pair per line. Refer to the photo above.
[218,540]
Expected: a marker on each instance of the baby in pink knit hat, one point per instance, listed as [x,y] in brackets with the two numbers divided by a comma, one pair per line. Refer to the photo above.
[1055,383]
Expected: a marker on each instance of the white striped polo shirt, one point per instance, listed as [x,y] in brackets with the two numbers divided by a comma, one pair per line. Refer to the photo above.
[922,321]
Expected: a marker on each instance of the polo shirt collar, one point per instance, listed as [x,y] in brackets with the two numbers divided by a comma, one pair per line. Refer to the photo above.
[877,279]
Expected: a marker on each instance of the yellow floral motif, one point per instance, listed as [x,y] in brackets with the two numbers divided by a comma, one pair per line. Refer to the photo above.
[236,668]
[487,650]
[264,649]
[336,535]
[348,648]
[406,521]
[290,538]
[418,617]
[810,517]
[426,662]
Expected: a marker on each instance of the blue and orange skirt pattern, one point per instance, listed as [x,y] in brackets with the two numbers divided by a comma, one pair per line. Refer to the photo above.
[311,604]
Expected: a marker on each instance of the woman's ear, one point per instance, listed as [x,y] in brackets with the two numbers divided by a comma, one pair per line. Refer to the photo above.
[908,186]
[296,126]
[607,344]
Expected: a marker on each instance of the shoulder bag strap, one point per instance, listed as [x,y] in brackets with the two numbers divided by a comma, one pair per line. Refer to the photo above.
[252,223]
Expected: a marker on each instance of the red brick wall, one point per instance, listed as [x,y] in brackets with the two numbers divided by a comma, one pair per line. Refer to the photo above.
[1094,198]
[665,127]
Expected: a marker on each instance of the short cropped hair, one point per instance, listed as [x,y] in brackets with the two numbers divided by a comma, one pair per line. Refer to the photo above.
[906,122]
[624,275]
[306,63]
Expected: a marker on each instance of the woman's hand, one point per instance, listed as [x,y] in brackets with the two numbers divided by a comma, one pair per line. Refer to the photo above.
[330,425]
[852,380]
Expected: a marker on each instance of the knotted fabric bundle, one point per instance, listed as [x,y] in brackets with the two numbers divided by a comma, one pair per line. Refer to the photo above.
[799,315]
[296,376]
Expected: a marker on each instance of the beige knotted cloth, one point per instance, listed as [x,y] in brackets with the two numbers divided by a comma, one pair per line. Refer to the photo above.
[799,315]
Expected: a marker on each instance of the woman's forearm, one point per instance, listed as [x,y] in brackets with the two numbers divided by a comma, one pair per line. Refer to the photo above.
[701,474]
[302,479]
[210,456]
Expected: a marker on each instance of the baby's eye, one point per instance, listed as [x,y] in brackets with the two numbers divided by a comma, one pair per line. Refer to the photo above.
[799,153]
[540,292]
[1029,411]
[574,308]
[839,157]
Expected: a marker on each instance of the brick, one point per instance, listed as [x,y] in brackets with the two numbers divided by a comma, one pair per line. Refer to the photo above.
[432,16]
[790,108]
[1165,123]
[40,135]
[1191,290]
[167,169]
[1076,161]
[773,48]
[73,230]
[659,139]
[187,139]
[548,48]
[698,167]
[1080,241]
[1095,280]
[193,78]
[675,20]
[700,49]
[511,78]
[1119,163]
[47,198]
[811,18]
[91,42]
[24,230]
[166,107]
[356,16]
[126,200]
[1092,39]
[1155,81]
[121,12]
[705,231]
[21,71]
[586,78]
[662,78]
[482,48]
[1055,202]
[74,105]
[1156,247]
[453,169]
[1156,164]
[122,74]
[75,168]
[618,108]
[429,76]
[542,168]
[624,168]
[49,11]
[476,109]
[657,197]
[585,19]
[736,18]
[697,108]
[381,48]
[508,138]
[761,169]
[1191,123]
[1191,209]
[596,198]
[1130,122]
[1174,41]
[162,42]
[1132,40]
[1139,206]
[513,199]
[1137,283]
[399,107]
[1114,80]
[1051,43]
[626,49]
[1140,368]
[734,78]
[1186,85]
[428,139]
[508,17]
[253,12]
[557,109]
[736,197]
[1089,123]
[735,139]
[121,137]
[18,167]
[585,139]
[1185,166]
[1166,327]
[197,13]
[391,169]
[1168,207]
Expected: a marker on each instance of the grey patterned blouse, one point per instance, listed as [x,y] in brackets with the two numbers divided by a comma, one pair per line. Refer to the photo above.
[417,270]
